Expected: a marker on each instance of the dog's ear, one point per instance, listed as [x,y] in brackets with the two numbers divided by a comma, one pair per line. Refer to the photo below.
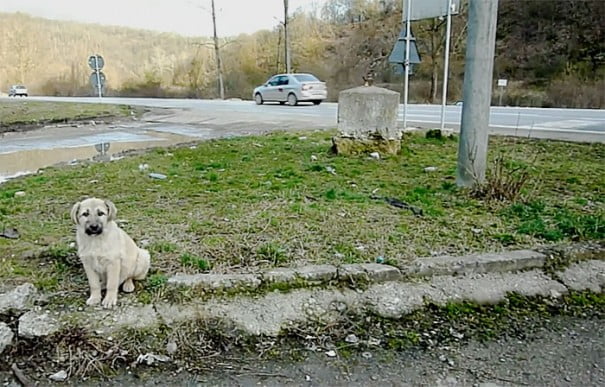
[74,213]
[112,211]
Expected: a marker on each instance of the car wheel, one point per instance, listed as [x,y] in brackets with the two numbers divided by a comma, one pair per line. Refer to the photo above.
[292,100]
[258,99]
[317,102]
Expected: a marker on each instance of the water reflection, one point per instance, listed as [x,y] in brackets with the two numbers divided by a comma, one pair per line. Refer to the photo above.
[16,163]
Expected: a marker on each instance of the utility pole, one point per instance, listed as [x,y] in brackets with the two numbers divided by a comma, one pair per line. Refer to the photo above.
[217,53]
[286,40]
[477,92]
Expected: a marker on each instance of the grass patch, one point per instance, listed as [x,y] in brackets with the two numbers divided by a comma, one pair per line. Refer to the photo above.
[246,203]
[20,113]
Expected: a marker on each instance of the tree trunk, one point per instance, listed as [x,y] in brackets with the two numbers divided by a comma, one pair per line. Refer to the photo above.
[217,53]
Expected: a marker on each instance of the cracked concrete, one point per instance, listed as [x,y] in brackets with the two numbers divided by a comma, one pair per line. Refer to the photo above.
[386,294]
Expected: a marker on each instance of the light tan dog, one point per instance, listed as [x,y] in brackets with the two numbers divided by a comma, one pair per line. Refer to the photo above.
[110,257]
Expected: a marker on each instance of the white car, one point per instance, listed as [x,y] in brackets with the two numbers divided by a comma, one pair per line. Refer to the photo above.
[17,90]
[291,88]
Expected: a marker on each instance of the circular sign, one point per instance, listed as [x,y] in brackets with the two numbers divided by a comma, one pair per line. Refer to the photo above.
[96,79]
[96,61]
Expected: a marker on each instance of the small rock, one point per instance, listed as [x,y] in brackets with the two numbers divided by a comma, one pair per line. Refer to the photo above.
[313,158]
[366,355]
[331,170]
[476,231]
[352,339]
[72,245]
[18,299]
[442,358]
[19,194]
[6,336]
[150,358]
[171,347]
[375,155]
[331,353]
[373,341]
[10,233]
[93,123]
[307,378]
[380,259]
[158,176]
[302,138]
[430,169]
[34,324]
[60,376]
[143,167]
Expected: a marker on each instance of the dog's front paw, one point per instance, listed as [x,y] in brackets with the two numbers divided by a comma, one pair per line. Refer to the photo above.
[93,300]
[110,301]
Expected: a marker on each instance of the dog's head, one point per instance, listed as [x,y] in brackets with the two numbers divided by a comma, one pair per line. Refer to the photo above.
[93,214]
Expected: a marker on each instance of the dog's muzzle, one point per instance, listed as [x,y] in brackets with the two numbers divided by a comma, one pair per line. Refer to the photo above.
[94,229]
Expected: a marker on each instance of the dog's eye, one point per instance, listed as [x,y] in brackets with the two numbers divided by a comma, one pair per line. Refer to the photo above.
[85,214]
[100,213]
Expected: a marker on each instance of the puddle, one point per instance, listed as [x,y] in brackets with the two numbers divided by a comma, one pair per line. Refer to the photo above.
[17,158]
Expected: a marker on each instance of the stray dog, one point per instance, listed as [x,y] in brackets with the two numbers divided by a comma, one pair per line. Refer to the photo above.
[109,256]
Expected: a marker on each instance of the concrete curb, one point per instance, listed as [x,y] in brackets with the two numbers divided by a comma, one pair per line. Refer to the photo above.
[483,279]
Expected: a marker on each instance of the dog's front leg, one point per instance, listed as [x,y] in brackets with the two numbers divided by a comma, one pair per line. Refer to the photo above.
[94,282]
[113,282]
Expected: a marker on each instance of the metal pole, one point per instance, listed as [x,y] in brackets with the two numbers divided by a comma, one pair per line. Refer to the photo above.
[407,64]
[98,75]
[446,62]
[477,92]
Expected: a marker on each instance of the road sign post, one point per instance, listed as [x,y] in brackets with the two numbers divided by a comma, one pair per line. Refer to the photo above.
[97,78]
[501,85]
[407,64]
[446,60]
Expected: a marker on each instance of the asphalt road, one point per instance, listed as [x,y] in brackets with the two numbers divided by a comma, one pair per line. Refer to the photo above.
[564,124]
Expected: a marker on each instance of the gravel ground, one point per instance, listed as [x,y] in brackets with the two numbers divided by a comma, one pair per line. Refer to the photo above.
[561,352]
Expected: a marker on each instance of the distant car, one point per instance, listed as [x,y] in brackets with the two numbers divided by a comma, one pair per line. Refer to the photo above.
[291,89]
[17,90]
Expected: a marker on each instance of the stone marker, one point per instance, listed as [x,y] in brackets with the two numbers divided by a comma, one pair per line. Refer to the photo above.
[367,121]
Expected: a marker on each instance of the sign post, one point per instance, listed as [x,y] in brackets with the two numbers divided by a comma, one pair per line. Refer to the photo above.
[446,61]
[501,85]
[97,78]
[428,9]
[407,64]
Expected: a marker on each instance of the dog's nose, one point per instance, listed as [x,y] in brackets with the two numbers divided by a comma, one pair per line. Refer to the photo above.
[94,228]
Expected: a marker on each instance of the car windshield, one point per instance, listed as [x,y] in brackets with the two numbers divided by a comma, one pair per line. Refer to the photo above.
[306,78]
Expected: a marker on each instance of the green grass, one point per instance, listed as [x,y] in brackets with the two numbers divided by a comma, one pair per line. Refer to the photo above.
[23,112]
[241,204]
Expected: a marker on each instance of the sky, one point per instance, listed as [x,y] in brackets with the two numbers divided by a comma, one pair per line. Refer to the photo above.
[185,17]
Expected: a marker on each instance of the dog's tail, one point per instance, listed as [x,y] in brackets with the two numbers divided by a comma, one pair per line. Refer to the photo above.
[143,264]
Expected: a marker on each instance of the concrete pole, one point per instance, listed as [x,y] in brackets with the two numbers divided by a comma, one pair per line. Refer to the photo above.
[217,53]
[286,39]
[477,92]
